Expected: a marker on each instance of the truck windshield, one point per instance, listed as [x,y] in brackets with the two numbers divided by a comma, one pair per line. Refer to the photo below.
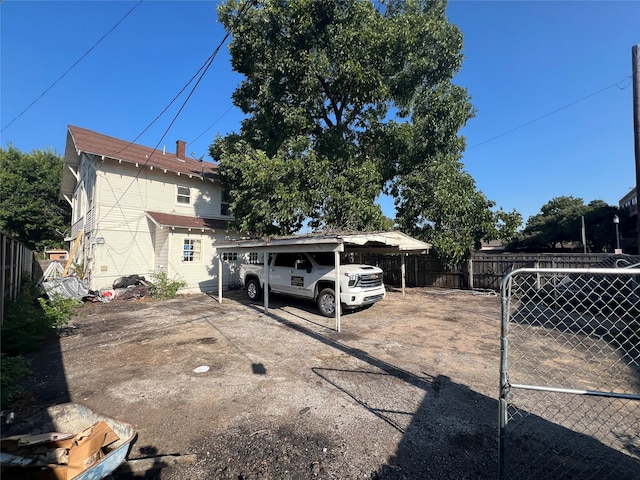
[323,258]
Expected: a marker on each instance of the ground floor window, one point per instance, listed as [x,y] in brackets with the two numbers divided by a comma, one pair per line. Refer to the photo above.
[192,250]
[229,256]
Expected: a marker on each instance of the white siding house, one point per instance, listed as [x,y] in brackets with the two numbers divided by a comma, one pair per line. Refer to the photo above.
[136,210]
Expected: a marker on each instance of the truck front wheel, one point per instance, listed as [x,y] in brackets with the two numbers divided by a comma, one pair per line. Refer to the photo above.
[253,289]
[327,302]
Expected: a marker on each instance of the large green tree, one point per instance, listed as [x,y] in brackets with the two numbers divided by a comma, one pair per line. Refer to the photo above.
[344,100]
[29,207]
[559,226]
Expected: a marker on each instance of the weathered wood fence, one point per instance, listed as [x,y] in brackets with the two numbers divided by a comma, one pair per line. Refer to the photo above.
[17,264]
[481,271]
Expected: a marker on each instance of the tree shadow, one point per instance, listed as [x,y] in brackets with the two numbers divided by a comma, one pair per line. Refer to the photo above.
[450,431]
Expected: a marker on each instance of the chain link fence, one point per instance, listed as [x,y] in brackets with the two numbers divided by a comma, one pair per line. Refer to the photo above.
[570,373]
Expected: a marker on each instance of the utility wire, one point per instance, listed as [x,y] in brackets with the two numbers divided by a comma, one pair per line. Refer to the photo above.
[211,126]
[72,66]
[203,69]
[617,84]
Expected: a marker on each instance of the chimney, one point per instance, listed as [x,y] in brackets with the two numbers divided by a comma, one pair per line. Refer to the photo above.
[181,147]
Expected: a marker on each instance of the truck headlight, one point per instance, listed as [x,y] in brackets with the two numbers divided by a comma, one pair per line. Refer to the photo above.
[353,279]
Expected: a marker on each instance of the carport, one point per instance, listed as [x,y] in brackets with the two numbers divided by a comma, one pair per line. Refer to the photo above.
[377,242]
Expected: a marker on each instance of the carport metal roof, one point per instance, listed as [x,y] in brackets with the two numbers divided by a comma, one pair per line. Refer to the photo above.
[368,242]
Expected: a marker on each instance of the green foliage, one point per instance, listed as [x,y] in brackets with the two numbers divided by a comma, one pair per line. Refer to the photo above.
[29,207]
[29,319]
[164,287]
[559,226]
[12,371]
[344,101]
[25,324]
[58,310]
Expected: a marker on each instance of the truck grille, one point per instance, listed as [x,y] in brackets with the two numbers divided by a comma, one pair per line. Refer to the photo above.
[371,280]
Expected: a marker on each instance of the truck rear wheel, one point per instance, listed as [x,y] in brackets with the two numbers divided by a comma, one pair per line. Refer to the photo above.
[327,302]
[253,289]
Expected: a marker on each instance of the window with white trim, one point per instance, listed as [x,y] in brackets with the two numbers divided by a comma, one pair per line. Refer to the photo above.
[229,256]
[192,250]
[184,195]
[253,257]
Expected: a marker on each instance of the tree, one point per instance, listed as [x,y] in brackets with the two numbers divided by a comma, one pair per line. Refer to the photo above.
[29,207]
[559,226]
[344,100]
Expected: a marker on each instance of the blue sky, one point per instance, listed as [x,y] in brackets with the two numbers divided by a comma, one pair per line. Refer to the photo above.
[546,123]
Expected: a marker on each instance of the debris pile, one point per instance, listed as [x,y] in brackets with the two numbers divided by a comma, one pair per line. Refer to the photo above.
[56,455]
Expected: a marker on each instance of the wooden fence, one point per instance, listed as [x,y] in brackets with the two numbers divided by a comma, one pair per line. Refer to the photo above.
[481,271]
[17,264]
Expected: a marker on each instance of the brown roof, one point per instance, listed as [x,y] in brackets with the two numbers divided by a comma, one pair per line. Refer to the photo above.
[180,221]
[103,145]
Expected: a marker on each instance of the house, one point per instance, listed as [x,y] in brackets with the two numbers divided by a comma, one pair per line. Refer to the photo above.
[629,207]
[56,254]
[139,210]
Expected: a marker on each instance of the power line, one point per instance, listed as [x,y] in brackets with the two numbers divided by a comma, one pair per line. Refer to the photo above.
[72,66]
[211,126]
[616,84]
[203,69]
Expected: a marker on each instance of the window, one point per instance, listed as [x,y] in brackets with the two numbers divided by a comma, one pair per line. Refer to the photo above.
[224,203]
[192,250]
[184,195]
[229,257]
[287,259]
[253,257]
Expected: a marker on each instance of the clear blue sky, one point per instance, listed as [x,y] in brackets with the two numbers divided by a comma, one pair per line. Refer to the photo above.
[524,60]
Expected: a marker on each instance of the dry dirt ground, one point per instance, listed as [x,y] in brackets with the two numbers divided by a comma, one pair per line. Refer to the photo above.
[407,390]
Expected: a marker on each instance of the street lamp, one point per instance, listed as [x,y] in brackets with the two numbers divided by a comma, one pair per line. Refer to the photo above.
[616,221]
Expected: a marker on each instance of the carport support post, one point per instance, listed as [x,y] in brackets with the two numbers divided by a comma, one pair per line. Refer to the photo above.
[219,277]
[403,270]
[265,287]
[336,256]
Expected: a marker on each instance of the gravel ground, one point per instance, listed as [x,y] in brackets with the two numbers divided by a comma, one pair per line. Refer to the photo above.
[406,390]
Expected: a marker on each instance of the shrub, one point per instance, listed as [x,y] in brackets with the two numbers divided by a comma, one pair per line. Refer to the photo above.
[25,325]
[58,310]
[12,371]
[163,287]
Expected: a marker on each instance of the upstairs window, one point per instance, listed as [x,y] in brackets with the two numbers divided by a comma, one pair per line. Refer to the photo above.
[184,195]
[224,203]
[192,250]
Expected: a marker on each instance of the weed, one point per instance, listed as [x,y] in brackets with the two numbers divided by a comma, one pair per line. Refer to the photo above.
[13,369]
[58,310]
[163,287]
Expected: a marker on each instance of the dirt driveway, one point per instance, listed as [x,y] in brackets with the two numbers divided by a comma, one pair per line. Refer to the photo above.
[407,389]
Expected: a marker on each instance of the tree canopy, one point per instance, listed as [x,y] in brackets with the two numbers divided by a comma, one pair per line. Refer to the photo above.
[29,207]
[345,100]
[558,226]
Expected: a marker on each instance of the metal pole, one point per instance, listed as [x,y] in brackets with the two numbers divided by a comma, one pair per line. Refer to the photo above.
[219,277]
[635,62]
[336,256]
[265,286]
[403,270]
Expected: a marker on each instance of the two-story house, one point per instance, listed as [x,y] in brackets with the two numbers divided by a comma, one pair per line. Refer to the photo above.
[139,210]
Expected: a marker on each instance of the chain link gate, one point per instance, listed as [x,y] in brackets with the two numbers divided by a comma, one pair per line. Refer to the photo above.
[570,374]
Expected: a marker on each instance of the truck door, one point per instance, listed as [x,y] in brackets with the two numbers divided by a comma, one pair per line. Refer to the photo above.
[281,271]
[289,274]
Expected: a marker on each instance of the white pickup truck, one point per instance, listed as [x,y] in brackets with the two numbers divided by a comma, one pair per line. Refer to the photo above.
[312,276]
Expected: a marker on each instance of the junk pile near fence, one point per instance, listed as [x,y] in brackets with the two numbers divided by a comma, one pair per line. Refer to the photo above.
[124,288]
